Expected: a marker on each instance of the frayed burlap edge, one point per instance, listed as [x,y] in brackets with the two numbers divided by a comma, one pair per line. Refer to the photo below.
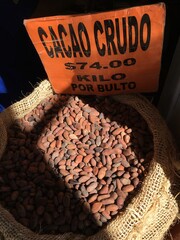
[151,211]
[24,106]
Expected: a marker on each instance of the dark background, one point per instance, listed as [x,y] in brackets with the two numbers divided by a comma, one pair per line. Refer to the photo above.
[20,66]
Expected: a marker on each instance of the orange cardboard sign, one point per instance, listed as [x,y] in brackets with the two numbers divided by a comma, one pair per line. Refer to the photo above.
[102,53]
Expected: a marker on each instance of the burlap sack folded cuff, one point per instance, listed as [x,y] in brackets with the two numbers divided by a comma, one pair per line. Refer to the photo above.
[151,211]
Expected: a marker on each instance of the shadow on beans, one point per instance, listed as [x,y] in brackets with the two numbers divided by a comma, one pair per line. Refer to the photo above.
[30,184]
[39,191]
[129,132]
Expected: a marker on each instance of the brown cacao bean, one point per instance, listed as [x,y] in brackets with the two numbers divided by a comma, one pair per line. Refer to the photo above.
[96,207]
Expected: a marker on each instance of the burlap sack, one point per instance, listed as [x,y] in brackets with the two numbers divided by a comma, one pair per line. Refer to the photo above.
[151,211]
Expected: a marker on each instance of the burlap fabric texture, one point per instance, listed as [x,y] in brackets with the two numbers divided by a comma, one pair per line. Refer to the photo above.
[151,211]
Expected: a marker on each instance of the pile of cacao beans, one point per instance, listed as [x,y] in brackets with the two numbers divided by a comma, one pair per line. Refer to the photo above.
[73,163]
